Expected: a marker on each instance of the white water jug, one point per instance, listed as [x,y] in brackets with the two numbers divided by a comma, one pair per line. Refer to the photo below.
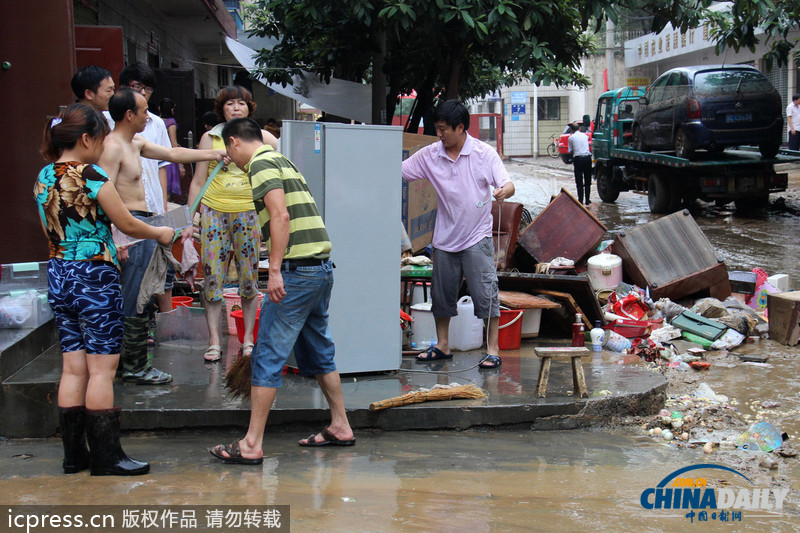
[466,330]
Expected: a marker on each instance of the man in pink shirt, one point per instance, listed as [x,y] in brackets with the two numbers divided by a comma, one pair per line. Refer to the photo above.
[467,174]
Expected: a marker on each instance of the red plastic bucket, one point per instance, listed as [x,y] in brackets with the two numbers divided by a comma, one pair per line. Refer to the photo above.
[510,334]
[238,318]
[182,301]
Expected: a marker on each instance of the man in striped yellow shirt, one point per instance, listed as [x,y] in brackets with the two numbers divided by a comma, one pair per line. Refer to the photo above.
[299,290]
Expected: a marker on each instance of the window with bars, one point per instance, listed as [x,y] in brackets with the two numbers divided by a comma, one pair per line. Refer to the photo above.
[549,108]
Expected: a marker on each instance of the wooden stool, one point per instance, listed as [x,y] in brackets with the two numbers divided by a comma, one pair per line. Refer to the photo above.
[558,352]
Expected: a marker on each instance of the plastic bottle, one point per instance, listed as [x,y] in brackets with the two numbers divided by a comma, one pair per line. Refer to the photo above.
[615,342]
[423,345]
[597,335]
[578,338]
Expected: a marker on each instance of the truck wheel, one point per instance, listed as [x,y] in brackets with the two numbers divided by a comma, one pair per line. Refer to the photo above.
[608,193]
[769,150]
[659,196]
[683,148]
[752,202]
[638,140]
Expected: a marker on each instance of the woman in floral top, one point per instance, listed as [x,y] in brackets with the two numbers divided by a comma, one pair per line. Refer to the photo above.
[77,204]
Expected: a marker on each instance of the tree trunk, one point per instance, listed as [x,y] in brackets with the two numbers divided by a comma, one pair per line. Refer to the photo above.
[379,112]
[423,101]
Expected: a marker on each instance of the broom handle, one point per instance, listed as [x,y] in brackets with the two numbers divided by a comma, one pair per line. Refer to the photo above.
[199,197]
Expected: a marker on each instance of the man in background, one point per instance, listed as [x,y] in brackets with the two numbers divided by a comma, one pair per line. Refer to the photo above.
[93,86]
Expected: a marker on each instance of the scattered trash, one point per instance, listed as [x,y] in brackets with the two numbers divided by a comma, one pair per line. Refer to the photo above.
[704,392]
[730,339]
[753,358]
[760,365]
[768,462]
[761,436]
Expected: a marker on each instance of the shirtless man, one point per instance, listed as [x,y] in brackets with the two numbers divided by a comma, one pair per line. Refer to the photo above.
[121,159]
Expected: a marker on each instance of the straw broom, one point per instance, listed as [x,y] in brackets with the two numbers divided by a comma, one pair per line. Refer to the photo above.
[437,392]
[237,379]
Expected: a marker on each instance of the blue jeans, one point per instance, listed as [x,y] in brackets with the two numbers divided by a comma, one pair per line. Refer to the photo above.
[133,269]
[299,322]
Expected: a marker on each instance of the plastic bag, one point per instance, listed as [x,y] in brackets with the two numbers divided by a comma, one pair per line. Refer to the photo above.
[16,310]
[730,339]
[704,392]
[630,306]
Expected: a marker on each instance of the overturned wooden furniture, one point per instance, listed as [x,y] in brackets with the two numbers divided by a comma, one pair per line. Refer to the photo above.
[672,257]
[558,352]
[565,228]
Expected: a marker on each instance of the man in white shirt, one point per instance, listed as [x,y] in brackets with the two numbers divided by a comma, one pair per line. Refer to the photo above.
[793,122]
[582,162]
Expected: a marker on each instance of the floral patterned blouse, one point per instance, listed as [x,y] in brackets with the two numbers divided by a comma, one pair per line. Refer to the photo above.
[66,196]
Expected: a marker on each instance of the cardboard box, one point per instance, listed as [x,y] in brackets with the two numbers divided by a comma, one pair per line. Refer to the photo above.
[784,317]
[419,197]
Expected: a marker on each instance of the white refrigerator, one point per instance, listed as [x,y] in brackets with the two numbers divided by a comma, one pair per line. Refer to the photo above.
[354,174]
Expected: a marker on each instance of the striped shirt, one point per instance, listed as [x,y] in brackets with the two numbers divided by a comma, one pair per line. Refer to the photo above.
[270,170]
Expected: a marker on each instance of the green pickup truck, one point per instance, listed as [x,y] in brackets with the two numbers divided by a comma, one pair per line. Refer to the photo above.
[741,176]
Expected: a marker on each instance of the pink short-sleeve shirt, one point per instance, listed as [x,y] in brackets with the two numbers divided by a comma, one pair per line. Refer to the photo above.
[461,185]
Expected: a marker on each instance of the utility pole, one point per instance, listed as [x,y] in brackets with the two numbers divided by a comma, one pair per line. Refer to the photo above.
[610,61]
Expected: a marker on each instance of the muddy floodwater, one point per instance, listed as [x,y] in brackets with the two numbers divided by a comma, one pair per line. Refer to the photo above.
[559,481]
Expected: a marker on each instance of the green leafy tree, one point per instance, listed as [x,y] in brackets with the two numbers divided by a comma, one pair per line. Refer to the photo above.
[468,48]
[460,48]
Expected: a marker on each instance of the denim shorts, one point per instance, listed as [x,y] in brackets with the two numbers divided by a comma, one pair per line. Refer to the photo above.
[299,322]
[476,265]
[87,303]
[133,270]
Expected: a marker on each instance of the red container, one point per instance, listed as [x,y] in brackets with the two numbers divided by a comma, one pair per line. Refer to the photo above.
[510,334]
[238,318]
[629,328]
[182,301]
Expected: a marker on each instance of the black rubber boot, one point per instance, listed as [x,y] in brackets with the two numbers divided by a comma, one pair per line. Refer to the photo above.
[108,459]
[72,421]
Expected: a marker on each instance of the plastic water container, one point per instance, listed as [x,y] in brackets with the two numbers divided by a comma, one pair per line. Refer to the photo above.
[605,271]
[466,330]
[420,292]
[531,319]
[423,327]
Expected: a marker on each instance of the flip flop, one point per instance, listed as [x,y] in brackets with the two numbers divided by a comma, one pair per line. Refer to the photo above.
[434,353]
[330,440]
[214,353]
[490,361]
[234,454]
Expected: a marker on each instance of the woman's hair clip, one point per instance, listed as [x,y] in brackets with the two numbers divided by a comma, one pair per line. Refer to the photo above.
[56,121]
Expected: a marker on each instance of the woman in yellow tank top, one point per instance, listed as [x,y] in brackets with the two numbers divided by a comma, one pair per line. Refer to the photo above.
[228,224]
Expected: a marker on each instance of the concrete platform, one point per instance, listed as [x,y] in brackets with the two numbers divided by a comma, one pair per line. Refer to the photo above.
[617,384]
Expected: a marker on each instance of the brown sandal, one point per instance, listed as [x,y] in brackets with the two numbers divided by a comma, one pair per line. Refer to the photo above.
[329,440]
[234,454]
